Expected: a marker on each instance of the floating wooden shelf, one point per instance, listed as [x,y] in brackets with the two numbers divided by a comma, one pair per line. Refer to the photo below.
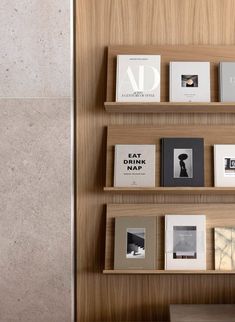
[168,107]
[143,134]
[164,272]
[217,215]
[174,190]
[213,54]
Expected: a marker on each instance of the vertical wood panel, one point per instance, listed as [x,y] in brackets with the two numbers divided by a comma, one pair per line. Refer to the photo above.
[100,23]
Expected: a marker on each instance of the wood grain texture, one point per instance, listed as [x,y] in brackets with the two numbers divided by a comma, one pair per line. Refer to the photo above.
[99,24]
[202,313]
[216,216]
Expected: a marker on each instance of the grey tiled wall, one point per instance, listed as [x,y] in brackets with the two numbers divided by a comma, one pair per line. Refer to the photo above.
[35,161]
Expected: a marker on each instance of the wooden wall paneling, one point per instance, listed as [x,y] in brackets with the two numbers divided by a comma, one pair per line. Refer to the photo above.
[135,22]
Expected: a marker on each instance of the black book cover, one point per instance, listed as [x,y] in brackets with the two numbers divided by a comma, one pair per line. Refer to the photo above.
[182,162]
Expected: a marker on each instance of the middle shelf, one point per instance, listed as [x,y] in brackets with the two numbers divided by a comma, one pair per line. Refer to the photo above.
[149,134]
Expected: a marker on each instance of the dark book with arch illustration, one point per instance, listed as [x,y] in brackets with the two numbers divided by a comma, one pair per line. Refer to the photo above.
[182,162]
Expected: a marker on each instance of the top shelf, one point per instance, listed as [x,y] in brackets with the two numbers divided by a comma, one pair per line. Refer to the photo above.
[213,54]
[169,107]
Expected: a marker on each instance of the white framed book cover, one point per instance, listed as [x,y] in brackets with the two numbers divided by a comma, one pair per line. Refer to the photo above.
[185,242]
[138,78]
[134,165]
[224,165]
[190,82]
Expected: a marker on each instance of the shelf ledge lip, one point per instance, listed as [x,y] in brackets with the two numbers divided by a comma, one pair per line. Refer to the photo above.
[165,272]
[178,190]
[170,107]
[172,103]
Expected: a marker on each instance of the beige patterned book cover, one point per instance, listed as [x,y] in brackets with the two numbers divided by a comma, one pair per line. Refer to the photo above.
[225,248]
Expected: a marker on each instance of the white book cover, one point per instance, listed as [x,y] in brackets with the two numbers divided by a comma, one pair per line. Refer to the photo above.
[134,165]
[227,81]
[185,242]
[190,82]
[224,165]
[138,78]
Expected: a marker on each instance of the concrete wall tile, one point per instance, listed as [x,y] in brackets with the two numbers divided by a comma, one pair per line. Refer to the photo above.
[35,210]
[35,50]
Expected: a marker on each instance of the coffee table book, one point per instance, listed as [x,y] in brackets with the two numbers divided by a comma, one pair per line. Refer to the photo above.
[227,81]
[138,78]
[224,165]
[134,165]
[190,81]
[224,248]
[182,162]
[135,243]
[185,242]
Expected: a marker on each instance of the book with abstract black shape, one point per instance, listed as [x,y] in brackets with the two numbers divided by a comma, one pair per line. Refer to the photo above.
[134,165]
[224,248]
[227,81]
[135,242]
[138,78]
[182,162]
[190,82]
[185,242]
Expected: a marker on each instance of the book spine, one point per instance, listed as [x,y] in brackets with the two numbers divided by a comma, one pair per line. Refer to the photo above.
[170,85]
[221,96]
[117,77]
[115,166]
[165,243]
[162,162]
[215,176]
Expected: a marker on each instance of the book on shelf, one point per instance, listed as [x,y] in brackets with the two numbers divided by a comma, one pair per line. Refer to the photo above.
[138,78]
[134,165]
[185,241]
[190,82]
[135,242]
[224,165]
[227,81]
[182,162]
[224,239]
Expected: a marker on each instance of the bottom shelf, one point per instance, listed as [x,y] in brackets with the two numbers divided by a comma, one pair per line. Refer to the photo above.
[217,215]
[165,272]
